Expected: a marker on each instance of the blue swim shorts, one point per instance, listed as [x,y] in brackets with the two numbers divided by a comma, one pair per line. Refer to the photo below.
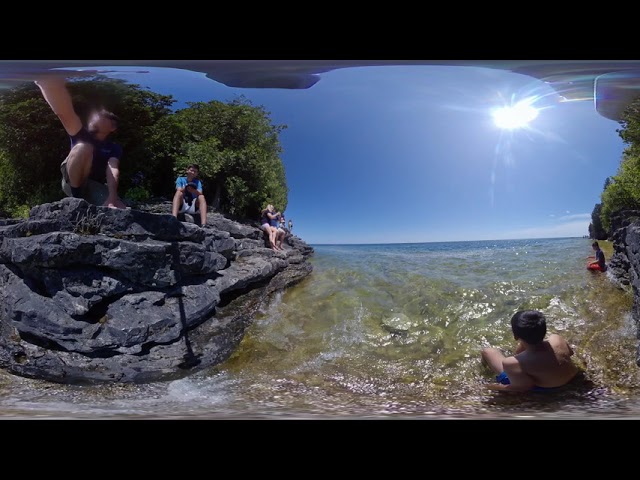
[504,380]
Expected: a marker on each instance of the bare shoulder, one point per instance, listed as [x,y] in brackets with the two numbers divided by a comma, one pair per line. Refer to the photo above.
[559,344]
[556,339]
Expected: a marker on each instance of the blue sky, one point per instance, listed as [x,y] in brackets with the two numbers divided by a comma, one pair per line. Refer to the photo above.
[399,154]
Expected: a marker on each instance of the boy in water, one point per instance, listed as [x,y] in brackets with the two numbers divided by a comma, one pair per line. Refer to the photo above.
[599,263]
[537,364]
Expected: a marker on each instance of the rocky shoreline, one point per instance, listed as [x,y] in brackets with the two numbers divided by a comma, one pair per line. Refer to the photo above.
[91,294]
[624,265]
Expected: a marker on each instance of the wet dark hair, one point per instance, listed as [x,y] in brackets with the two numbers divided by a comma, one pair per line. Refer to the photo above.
[529,325]
[193,165]
[595,244]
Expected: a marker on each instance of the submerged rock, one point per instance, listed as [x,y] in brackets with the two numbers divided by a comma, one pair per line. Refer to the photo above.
[92,294]
[399,324]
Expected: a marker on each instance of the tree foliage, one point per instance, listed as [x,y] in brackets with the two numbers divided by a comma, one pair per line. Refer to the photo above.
[238,151]
[622,191]
[33,142]
[235,144]
[32,146]
[596,229]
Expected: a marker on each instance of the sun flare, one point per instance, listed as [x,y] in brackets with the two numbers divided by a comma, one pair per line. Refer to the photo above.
[515,116]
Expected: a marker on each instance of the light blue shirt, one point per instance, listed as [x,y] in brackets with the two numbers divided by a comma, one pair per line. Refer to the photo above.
[181,182]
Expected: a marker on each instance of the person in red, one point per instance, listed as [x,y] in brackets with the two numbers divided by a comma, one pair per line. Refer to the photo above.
[94,160]
[599,262]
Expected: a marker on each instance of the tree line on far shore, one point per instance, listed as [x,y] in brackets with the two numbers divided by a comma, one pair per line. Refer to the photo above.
[235,144]
[621,191]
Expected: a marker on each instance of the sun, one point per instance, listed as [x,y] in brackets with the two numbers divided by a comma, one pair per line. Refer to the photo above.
[515,116]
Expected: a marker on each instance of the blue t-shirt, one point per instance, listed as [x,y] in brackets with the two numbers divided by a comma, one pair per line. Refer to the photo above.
[102,152]
[275,222]
[181,182]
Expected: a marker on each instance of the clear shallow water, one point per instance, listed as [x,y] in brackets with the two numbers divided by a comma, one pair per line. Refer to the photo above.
[393,331]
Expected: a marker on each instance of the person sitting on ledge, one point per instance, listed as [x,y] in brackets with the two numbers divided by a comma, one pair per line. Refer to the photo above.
[276,221]
[189,197]
[267,215]
[537,364]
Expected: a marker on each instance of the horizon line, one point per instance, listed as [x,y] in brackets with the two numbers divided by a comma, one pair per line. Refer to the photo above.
[444,241]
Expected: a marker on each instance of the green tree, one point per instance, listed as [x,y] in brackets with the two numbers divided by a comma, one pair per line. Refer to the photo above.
[238,150]
[164,143]
[596,230]
[235,144]
[32,146]
[33,142]
[630,123]
[623,192]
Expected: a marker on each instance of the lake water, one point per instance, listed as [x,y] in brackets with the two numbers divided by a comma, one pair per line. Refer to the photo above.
[393,331]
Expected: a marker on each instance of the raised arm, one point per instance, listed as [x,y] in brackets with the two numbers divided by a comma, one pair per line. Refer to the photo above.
[54,90]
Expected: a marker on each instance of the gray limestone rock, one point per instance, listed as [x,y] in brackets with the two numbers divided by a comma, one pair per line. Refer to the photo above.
[90,294]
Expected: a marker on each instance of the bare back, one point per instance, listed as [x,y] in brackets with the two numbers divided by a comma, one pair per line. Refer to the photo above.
[549,364]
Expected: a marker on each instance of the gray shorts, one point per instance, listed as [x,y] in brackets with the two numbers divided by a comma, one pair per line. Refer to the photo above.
[92,191]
